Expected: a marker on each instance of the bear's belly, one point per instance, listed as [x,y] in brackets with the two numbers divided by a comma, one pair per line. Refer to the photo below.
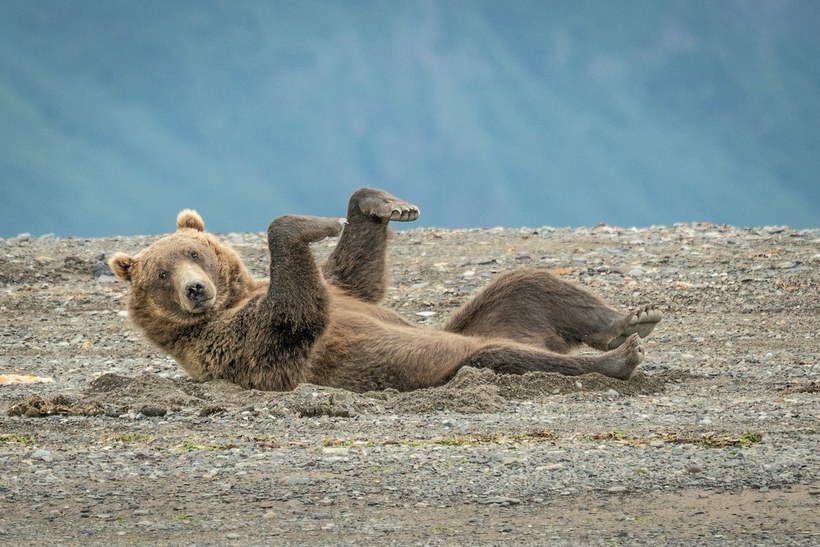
[378,349]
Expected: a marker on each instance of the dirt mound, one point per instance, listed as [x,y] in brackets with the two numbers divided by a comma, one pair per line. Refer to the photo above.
[471,391]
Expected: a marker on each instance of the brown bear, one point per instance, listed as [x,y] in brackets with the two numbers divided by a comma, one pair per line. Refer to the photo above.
[193,297]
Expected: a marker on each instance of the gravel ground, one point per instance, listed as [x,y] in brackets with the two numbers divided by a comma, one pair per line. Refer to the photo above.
[714,441]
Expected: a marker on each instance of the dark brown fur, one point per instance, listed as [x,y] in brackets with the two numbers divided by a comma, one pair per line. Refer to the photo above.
[193,297]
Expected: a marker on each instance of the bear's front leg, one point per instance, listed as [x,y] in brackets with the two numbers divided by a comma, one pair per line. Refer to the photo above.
[275,334]
[358,264]
[296,287]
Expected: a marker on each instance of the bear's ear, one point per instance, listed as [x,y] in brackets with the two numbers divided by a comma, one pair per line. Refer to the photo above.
[121,264]
[188,218]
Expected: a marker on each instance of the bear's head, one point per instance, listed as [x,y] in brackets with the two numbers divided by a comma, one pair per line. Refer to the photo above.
[181,277]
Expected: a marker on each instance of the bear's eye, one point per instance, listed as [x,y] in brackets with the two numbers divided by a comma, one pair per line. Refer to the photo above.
[194,255]
[163,276]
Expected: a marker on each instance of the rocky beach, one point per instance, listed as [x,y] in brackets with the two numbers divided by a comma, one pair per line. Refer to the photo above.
[104,440]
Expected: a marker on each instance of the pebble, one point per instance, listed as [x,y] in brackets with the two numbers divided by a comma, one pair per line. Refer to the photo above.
[499,500]
[153,411]
[42,454]
[102,270]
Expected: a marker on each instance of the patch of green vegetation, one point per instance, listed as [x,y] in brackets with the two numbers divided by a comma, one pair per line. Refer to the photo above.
[707,440]
[610,436]
[17,439]
[125,438]
[190,446]
[454,440]
[748,439]
[340,443]
[714,440]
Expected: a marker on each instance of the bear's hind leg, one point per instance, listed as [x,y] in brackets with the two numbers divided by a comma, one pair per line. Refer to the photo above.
[619,363]
[534,307]
[358,264]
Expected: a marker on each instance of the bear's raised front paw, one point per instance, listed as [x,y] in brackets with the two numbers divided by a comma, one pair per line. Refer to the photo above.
[307,229]
[380,204]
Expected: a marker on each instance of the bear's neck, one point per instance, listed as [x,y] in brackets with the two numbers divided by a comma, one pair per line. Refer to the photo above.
[168,334]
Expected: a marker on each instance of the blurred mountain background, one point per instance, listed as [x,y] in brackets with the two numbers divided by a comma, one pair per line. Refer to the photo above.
[115,115]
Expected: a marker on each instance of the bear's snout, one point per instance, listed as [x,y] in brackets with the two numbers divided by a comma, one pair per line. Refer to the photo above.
[196,292]
[197,296]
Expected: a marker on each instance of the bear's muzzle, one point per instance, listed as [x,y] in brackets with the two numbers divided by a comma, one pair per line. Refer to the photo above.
[196,294]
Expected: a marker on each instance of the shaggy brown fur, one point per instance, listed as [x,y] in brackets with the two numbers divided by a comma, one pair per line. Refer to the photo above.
[192,296]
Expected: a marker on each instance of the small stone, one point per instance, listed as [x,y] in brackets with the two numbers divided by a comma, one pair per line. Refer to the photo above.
[209,410]
[616,489]
[550,467]
[42,454]
[336,450]
[153,411]
[102,270]
[499,500]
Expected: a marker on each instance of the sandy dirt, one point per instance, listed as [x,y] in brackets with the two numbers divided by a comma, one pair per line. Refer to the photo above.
[713,441]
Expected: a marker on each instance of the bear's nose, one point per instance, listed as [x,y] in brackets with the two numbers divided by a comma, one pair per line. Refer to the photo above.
[195,290]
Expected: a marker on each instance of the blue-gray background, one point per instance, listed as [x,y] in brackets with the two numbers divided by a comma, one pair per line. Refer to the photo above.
[114,115]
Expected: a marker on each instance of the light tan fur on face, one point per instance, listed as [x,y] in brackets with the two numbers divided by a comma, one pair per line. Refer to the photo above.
[191,273]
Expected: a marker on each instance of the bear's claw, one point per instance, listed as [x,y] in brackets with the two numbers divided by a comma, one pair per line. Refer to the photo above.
[642,323]
[376,203]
